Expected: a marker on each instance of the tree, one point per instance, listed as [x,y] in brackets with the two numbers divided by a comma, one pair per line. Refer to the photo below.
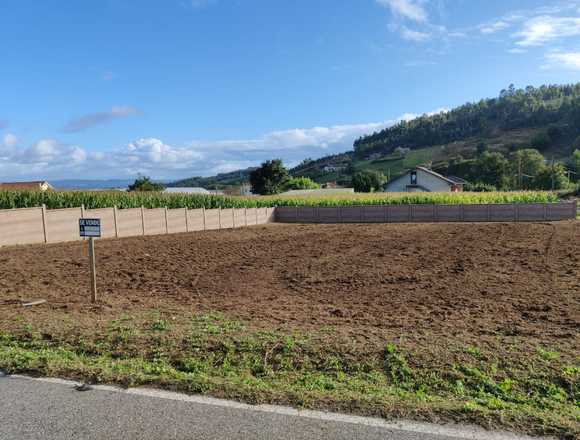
[367,181]
[300,183]
[481,148]
[541,141]
[144,183]
[526,162]
[552,177]
[576,160]
[269,177]
[492,169]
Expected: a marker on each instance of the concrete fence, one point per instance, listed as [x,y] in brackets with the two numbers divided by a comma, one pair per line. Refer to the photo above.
[39,225]
[428,213]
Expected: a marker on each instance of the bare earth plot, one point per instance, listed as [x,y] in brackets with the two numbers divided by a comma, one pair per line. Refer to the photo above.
[468,322]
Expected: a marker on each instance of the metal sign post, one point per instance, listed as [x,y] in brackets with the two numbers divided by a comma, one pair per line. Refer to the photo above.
[91,227]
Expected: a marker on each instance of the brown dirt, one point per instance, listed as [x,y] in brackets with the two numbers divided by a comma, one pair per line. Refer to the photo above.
[460,281]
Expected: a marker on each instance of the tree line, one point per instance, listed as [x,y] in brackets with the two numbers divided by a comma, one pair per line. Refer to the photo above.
[554,106]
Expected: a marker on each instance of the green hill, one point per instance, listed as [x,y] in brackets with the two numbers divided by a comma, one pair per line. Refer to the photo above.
[546,118]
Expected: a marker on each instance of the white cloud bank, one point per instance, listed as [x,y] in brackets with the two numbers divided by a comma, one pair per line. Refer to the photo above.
[568,60]
[541,30]
[51,159]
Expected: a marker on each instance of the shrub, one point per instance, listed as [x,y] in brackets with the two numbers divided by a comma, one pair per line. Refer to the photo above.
[300,183]
[367,181]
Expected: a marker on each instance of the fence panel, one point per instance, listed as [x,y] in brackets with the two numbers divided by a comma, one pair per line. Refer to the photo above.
[531,212]
[107,216]
[176,221]
[423,213]
[374,214]
[62,225]
[304,214]
[195,221]
[129,222]
[227,216]
[212,218]
[21,226]
[502,213]
[561,211]
[399,213]
[239,218]
[154,221]
[448,213]
[252,216]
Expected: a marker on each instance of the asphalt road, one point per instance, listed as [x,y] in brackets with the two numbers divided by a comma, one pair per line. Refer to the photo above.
[52,409]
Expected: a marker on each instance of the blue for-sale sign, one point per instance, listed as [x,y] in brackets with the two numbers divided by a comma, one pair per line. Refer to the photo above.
[90,227]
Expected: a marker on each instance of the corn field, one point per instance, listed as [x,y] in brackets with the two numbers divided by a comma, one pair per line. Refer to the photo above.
[99,199]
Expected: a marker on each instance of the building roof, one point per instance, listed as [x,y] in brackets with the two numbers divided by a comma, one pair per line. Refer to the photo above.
[318,192]
[449,180]
[34,185]
[187,190]
[433,173]
[457,180]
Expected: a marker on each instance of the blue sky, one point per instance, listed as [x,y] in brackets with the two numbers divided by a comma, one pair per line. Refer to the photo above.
[175,88]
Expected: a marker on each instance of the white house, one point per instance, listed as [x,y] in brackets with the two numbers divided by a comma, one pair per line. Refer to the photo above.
[422,179]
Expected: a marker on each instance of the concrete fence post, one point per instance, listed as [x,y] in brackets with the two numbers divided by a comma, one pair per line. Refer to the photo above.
[204,220]
[219,218]
[186,220]
[43,210]
[545,213]
[83,216]
[143,219]
[462,212]
[488,213]
[246,216]
[233,218]
[166,222]
[256,212]
[115,221]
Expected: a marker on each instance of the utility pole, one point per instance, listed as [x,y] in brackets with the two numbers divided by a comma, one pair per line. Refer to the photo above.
[553,183]
[519,171]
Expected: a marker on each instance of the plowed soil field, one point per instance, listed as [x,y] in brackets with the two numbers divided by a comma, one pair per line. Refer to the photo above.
[367,281]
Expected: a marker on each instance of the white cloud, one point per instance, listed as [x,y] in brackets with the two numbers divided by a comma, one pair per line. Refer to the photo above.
[92,119]
[10,140]
[409,9]
[411,35]
[492,28]
[567,60]
[541,30]
[49,158]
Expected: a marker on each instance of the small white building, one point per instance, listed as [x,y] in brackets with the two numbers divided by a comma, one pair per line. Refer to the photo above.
[186,190]
[422,179]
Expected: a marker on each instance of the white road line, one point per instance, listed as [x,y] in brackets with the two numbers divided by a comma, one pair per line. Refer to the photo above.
[460,432]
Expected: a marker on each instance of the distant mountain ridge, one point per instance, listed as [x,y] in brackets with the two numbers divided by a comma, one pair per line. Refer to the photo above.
[91,184]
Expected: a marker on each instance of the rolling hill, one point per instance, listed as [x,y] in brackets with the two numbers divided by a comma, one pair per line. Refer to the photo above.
[546,118]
